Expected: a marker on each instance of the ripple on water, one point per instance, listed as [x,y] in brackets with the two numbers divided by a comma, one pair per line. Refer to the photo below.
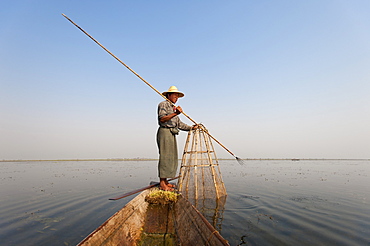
[268,203]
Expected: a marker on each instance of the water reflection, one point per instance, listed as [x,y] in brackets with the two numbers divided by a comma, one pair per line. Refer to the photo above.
[212,210]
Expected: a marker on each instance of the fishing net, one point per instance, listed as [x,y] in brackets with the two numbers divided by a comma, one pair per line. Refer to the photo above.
[200,175]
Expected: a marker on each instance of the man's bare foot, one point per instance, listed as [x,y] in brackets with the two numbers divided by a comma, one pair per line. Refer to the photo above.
[165,188]
[164,185]
[171,185]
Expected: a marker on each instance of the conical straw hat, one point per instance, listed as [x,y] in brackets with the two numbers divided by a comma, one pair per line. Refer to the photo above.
[173,89]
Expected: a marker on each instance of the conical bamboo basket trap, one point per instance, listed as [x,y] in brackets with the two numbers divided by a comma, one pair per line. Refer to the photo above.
[200,175]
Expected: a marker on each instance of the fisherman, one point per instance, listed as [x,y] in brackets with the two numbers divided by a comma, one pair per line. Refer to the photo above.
[169,126]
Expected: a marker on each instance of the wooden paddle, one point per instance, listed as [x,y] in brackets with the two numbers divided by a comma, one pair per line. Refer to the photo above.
[139,190]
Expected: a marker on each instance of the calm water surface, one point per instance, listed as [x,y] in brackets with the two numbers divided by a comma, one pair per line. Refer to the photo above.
[268,203]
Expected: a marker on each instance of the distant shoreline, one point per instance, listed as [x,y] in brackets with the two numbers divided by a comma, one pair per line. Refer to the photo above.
[153,159]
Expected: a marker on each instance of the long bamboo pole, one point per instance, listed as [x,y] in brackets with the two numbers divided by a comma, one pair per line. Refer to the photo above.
[237,158]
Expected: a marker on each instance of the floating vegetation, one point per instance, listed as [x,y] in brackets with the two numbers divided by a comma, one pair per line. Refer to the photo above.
[260,216]
[47,221]
[158,196]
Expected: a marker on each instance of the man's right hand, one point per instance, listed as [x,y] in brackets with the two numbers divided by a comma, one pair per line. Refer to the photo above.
[178,110]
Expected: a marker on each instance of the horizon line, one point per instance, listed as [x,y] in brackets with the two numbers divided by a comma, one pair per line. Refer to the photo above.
[156,159]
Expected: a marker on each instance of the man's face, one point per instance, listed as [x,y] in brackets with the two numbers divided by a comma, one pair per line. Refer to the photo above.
[173,97]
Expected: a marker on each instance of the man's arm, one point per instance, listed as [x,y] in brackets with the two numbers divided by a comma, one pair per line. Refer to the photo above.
[170,116]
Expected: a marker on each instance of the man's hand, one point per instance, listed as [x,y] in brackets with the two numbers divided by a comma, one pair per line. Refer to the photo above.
[178,110]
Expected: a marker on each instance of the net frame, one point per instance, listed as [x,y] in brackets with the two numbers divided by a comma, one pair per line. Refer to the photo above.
[200,174]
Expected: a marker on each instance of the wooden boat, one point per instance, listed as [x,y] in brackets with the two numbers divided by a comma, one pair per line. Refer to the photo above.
[141,223]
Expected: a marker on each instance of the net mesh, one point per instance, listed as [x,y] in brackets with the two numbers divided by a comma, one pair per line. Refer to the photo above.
[200,172]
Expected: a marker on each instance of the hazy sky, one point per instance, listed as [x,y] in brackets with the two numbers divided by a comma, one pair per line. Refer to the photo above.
[269,79]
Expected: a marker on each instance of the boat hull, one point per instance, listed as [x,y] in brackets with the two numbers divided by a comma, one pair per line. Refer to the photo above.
[141,223]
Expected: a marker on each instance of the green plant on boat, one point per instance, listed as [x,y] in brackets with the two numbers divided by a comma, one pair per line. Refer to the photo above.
[158,196]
